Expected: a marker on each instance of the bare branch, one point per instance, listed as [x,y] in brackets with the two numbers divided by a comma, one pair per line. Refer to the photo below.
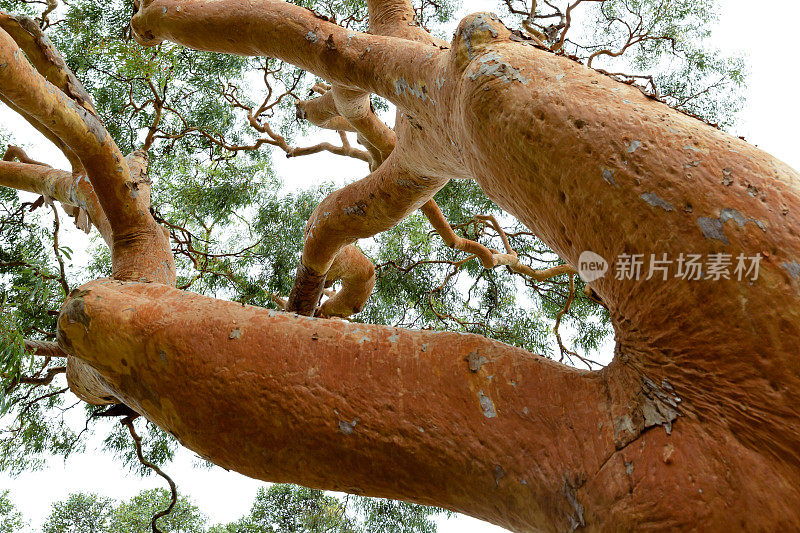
[62,278]
[44,348]
[137,440]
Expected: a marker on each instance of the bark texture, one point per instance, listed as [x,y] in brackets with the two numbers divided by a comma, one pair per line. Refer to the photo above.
[694,424]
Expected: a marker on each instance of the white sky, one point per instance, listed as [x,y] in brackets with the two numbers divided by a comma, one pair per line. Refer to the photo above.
[769,120]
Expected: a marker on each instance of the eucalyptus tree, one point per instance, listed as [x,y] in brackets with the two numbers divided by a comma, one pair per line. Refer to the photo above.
[587,159]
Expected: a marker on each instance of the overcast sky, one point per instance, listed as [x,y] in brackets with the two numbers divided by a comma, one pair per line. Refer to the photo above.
[769,120]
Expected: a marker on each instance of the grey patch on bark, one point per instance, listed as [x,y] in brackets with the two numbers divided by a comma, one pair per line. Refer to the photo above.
[91,122]
[497,69]
[608,175]
[479,22]
[499,474]
[163,355]
[629,467]
[401,87]
[660,409]
[347,428]
[570,491]
[75,310]
[635,145]
[133,188]
[727,178]
[235,334]
[732,214]
[486,405]
[712,228]
[654,200]
[792,268]
[623,424]
[311,36]
[358,210]
[476,361]
[394,337]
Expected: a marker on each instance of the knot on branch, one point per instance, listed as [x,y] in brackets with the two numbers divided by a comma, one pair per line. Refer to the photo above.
[475,33]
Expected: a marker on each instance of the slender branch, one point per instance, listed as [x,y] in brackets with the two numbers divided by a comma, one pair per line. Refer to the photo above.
[62,279]
[489,258]
[565,310]
[568,23]
[15,152]
[44,380]
[137,440]
[44,348]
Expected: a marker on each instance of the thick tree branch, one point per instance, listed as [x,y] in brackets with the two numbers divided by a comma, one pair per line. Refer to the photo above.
[44,348]
[396,18]
[294,34]
[424,409]
[356,211]
[80,130]
[45,58]
[357,274]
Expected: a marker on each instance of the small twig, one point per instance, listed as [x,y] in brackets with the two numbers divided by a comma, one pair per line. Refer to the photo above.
[44,380]
[128,422]
[62,280]
[565,310]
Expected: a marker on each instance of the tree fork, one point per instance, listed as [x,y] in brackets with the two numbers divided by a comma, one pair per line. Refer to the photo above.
[361,209]
[140,248]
